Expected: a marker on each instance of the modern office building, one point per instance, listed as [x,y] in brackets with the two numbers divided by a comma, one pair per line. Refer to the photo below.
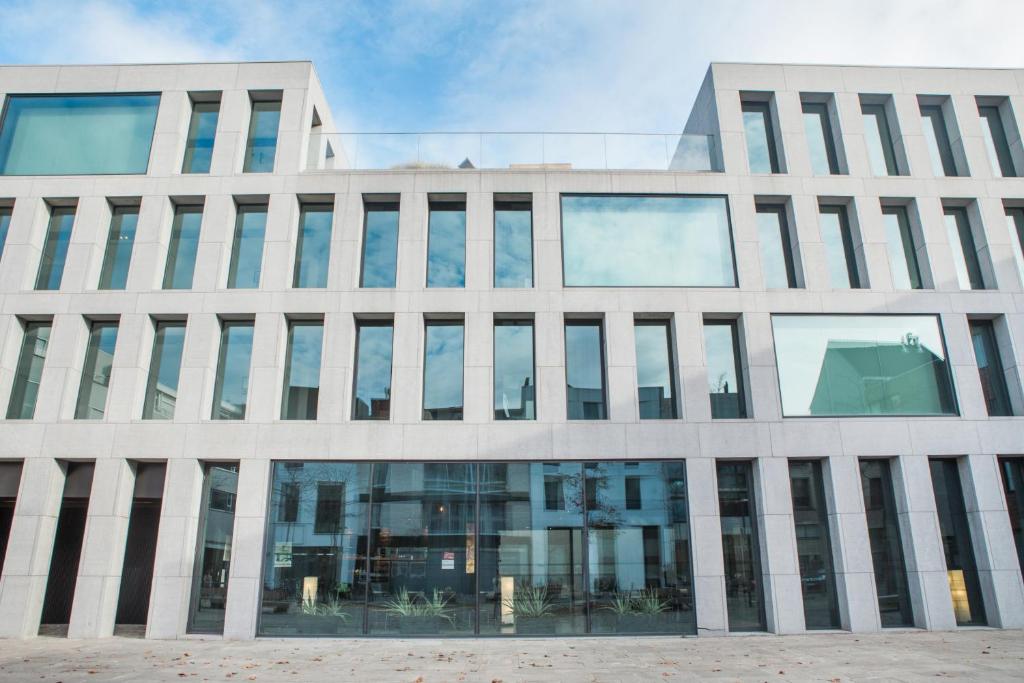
[266,378]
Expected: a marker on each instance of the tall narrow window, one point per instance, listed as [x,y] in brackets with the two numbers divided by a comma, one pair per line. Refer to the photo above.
[998,146]
[886,544]
[1015,224]
[213,561]
[725,377]
[5,225]
[247,247]
[313,251]
[202,128]
[813,545]
[936,136]
[120,242]
[965,251]
[515,389]
[584,370]
[990,368]
[839,252]
[55,247]
[655,375]
[372,395]
[446,244]
[184,244]
[261,145]
[231,388]
[906,271]
[302,370]
[380,245]
[99,360]
[34,343]
[513,244]
[760,133]
[878,137]
[820,140]
[1012,470]
[442,370]
[744,595]
[164,370]
[961,569]
[776,249]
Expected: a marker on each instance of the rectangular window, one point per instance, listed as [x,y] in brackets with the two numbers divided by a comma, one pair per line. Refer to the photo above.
[813,545]
[936,136]
[513,244]
[886,544]
[655,372]
[302,370]
[442,370]
[965,251]
[1015,225]
[5,225]
[903,263]
[313,251]
[584,370]
[634,496]
[261,145]
[120,241]
[231,388]
[99,360]
[1012,470]
[879,140]
[330,508]
[184,244]
[164,370]
[247,246]
[744,594]
[990,368]
[554,493]
[77,134]
[847,365]
[372,399]
[25,392]
[202,129]
[289,498]
[55,247]
[776,249]
[646,241]
[839,251]
[725,376]
[964,584]
[380,244]
[515,389]
[213,561]
[994,132]
[446,244]
[760,133]
[821,143]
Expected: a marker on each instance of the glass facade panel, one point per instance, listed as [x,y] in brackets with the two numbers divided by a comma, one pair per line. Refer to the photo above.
[646,241]
[776,250]
[372,399]
[202,128]
[164,370]
[513,244]
[120,241]
[313,251]
[655,374]
[5,225]
[446,245]
[1015,225]
[55,247]
[744,594]
[886,544]
[994,133]
[903,263]
[22,405]
[1012,470]
[380,245]
[820,142]
[302,370]
[878,137]
[813,545]
[725,378]
[965,252]
[584,370]
[990,368]
[937,138]
[231,389]
[77,134]
[181,252]
[839,253]
[442,371]
[213,561]
[847,365]
[261,145]
[247,247]
[760,134]
[515,389]
[99,360]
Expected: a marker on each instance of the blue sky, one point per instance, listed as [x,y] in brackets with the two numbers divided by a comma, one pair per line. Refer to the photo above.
[578,65]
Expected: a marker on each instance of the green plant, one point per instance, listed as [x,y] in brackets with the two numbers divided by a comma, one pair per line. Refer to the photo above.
[334,607]
[308,605]
[649,603]
[620,604]
[529,601]
[401,605]
[404,605]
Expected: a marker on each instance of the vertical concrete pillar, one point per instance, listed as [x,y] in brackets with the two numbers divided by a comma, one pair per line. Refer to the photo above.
[706,542]
[780,566]
[243,600]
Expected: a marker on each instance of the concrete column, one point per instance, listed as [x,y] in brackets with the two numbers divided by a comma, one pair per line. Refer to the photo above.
[106,533]
[243,600]
[30,547]
[780,566]
[706,544]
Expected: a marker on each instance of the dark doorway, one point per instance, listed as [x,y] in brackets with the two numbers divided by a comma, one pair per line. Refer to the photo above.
[67,546]
[140,551]
[10,478]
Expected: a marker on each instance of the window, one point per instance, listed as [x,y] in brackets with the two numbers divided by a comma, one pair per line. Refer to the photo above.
[554,493]
[25,392]
[725,378]
[55,247]
[839,251]
[744,594]
[903,263]
[289,497]
[184,244]
[886,544]
[120,241]
[330,506]
[847,365]
[247,246]
[261,145]
[964,584]
[655,371]
[821,143]
[1012,470]
[646,241]
[202,128]
[77,134]
[813,545]
[313,251]
[372,399]
[5,225]
[759,130]
[1015,224]
[584,370]
[936,136]
[213,559]
[634,498]
[776,249]
[302,370]
[380,244]
[964,248]
[513,244]
[231,388]
[994,132]
[164,370]
[442,370]
[446,244]
[99,360]
[515,389]
[879,139]
[990,367]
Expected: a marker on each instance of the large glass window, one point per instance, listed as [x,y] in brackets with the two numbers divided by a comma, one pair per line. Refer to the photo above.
[99,360]
[655,374]
[839,252]
[1015,224]
[25,392]
[5,225]
[261,145]
[878,137]
[513,244]
[961,569]
[584,370]
[1012,470]
[760,134]
[813,545]
[744,592]
[380,244]
[646,241]
[372,399]
[231,389]
[862,365]
[302,370]
[820,140]
[990,367]
[164,370]
[725,377]
[120,240]
[77,134]
[446,244]
[998,147]
[442,370]
[55,247]
[965,251]
[202,129]
[184,244]
[247,247]
[213,561]
[515,389]
[313,251]
[903,262]
[886,544]
[776,250]
[937,138]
